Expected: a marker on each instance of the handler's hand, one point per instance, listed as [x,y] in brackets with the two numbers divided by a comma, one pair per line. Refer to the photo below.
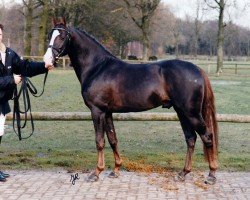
[17,79]
[49,64]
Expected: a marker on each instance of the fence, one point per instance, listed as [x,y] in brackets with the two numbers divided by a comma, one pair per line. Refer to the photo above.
[145,116]
[210,67]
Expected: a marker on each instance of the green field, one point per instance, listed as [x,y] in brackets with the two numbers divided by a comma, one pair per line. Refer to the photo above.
[155,145]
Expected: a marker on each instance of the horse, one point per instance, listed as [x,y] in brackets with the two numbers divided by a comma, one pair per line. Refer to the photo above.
[110,85]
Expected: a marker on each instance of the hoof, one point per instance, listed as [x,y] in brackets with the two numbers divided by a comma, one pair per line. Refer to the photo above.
[114,174]
[181,176]
[210,180]
[93,178]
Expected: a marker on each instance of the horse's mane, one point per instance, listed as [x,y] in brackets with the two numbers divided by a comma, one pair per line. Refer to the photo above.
[95,41]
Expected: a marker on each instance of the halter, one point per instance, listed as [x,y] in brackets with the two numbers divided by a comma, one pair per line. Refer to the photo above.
[66,41]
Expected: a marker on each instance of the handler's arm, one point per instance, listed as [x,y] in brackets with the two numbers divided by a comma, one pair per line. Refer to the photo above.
[28,68]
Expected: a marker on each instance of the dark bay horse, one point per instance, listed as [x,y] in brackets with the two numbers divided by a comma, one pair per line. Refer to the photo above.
[110,85]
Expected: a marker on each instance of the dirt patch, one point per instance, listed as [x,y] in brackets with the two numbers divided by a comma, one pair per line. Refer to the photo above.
[164,178]
[169,181]
[141,166]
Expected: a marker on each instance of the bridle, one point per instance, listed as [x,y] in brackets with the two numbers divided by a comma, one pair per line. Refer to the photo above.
[65,43]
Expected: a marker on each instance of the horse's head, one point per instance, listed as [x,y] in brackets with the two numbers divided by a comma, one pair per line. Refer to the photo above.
[59,38]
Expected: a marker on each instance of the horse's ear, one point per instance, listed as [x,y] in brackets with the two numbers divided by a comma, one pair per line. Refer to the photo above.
[63,21]
[54,21]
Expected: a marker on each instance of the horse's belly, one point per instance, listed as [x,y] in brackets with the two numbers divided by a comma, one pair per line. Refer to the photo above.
[124,109]
[137,102]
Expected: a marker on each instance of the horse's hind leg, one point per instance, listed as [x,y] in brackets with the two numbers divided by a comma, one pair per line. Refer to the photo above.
[111,134]
[200,127]
[190,137]
[99,123]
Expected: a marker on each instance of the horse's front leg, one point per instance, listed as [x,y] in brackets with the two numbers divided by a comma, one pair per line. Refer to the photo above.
[111,134]
[99,122]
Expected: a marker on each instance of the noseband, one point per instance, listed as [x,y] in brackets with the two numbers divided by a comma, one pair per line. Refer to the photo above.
[65,43]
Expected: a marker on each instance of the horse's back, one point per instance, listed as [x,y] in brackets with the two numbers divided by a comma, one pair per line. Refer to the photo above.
[180,67]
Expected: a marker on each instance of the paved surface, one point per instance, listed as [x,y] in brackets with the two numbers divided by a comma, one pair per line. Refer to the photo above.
[54,185]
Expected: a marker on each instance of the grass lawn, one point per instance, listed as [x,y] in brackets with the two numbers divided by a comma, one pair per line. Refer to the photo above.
[152,145]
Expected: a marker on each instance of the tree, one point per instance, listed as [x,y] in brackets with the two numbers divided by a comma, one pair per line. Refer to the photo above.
[208,38]
[13,27]
[28,4]
[161,34]
[121,27]
[177,34]
[220,6]
[197,25]
[103,19]
[231,45]
[2,11]
[110,22]
[44,16]
[141,12]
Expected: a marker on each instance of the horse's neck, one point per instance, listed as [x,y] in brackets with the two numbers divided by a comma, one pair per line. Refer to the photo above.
[84,67]
[84,59]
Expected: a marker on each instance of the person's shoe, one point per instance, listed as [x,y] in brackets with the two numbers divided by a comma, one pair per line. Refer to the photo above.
[2,178]
[4,174]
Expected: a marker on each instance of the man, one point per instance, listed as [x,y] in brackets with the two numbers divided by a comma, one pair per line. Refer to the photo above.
[12,68]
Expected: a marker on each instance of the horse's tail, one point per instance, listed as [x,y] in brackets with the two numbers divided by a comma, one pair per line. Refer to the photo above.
[209,116]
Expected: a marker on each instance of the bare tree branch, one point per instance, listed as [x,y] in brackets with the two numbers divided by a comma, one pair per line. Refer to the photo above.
[24,3]
[210,5]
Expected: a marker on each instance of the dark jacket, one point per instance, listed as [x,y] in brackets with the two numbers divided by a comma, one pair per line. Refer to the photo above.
[14,64]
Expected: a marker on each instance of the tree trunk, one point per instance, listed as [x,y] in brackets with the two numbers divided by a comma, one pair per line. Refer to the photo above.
[28,27]
[145,33]
[145,45]
[197,26]
[196,38]
[177,50]
[210,48]
[176,43]
[248,48]
[42,28]
[220,38]
[146,9]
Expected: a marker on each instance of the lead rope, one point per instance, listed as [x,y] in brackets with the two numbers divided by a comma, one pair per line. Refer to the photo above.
[26,87]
